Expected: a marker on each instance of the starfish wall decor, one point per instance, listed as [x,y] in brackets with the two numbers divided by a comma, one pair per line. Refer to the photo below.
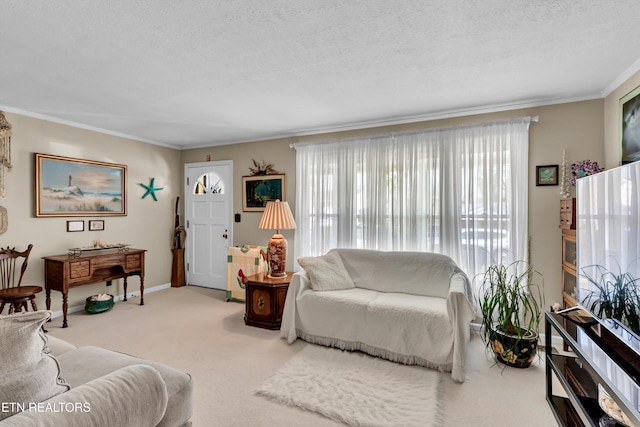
[151,190]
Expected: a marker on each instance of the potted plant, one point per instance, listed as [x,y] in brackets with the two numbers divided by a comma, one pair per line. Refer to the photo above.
[510,304]
[614,295]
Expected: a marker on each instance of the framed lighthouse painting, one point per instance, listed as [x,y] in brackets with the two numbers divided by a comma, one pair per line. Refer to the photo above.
[75,187]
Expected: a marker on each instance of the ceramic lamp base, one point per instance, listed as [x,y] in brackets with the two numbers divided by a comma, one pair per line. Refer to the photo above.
[277,255]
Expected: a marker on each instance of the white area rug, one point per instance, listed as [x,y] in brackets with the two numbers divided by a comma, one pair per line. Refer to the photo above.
[357,389]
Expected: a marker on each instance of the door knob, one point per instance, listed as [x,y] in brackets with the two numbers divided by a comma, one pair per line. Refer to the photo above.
[225,236]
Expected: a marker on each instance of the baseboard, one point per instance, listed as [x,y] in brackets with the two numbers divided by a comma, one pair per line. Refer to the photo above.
[555,340]
[116,298]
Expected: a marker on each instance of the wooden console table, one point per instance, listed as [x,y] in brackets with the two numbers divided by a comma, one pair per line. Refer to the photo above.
[62,272]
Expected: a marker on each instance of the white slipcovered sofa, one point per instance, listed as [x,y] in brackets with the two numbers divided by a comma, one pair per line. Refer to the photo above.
[409,307]
[46,381]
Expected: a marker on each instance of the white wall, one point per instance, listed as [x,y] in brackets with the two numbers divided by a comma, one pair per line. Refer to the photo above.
[148,224]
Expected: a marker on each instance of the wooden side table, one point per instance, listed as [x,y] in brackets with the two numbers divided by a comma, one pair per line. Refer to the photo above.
[265,300]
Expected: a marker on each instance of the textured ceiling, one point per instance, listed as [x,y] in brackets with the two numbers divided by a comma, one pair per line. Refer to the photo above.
[190,73]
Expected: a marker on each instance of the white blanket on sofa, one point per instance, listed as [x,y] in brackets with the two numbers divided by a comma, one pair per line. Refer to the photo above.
[410,328]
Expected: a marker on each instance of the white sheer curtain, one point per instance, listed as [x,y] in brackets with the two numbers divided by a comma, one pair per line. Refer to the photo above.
[459,191]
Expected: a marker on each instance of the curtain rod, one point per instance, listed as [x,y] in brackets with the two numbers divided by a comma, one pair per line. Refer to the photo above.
[527,119]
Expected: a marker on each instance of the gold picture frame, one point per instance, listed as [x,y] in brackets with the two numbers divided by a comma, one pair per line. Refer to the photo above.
[65,186]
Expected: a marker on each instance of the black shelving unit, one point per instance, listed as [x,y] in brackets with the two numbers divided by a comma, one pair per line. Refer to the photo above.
[599,353]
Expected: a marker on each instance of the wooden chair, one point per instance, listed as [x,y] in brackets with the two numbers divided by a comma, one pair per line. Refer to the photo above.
[11,290]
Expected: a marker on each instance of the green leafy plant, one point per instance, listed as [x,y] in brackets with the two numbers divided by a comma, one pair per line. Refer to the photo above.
[615,295]
[510,302]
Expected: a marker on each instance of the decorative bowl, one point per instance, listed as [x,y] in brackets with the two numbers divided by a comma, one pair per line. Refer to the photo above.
[611,408]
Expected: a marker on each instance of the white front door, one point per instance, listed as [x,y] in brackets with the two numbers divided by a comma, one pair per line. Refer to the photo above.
[208,212]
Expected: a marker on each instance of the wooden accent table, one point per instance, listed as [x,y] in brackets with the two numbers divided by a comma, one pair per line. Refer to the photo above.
[265,300]
[62,272]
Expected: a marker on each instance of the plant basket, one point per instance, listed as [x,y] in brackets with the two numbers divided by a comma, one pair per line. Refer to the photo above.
[510,304]
[513,351]
[94,305]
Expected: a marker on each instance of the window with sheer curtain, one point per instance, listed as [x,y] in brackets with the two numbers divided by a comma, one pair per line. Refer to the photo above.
[460,191]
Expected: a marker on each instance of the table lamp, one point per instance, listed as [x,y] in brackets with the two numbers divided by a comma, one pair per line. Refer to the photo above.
[277,216]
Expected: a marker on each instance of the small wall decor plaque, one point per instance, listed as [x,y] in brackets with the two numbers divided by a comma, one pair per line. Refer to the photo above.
[547,175]
[75,225]
[96,225]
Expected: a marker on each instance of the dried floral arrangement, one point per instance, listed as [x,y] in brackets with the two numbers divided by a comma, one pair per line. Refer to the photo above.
[262,168]
[584,168]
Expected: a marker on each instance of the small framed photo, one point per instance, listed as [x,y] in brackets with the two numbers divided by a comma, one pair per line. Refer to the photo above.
[96,225]
[75,225]
[547,175]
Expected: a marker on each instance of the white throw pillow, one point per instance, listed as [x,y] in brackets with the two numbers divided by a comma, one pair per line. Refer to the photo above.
[327,272]
[27,373]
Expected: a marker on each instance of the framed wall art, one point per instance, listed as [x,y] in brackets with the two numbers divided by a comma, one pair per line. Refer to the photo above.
[75,187]
[75,225]
[96,225]
[257,190]
[630,127]
[547,175]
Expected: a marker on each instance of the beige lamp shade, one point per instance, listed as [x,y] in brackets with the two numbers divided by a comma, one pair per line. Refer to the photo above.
[277,216]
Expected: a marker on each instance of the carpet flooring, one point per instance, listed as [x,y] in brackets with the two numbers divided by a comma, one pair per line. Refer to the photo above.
[195,330]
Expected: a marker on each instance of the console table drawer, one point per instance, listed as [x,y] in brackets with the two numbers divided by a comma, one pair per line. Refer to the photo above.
[133,261]
[79,269]
[107,261]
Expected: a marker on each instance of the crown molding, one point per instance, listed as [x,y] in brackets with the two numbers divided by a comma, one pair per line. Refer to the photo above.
[405,120]
[329,129]
[83,126]
[626,75]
